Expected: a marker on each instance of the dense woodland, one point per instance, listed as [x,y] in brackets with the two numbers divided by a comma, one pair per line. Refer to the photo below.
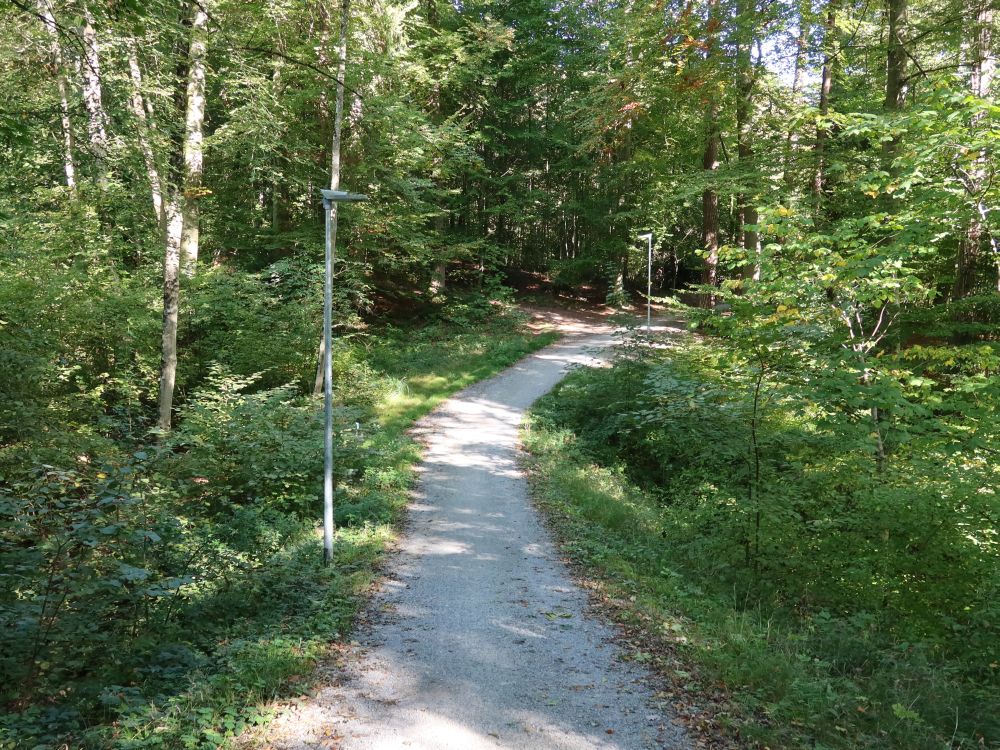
[815,476]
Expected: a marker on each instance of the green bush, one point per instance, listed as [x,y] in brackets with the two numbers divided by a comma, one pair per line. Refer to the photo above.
[157,594]
[817,571]
[238,446]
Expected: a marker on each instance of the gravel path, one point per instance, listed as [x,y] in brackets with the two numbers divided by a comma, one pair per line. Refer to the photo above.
[479,638]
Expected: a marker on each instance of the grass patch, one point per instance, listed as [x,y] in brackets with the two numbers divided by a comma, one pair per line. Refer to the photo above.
[443,360]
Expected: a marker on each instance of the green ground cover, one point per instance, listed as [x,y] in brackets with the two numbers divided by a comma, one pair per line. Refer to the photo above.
[845,601]
[161,595]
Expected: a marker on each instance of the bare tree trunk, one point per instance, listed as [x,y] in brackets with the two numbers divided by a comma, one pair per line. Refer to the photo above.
[171,303]
[792,140]
[439,276]
[338,120]
[180,207]
[966,265]
[710,163]
[747,211]
[194,166]
[93,99]
[338,116]
[895,78]
[710,204]
[982,71]
[138,106]
[895,73]
[277,208]
[826,86]
[55,51]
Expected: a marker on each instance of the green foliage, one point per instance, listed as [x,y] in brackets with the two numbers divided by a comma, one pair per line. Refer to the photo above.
[78,340]
[847,599]
[238,448]
[839,477]
[162,595]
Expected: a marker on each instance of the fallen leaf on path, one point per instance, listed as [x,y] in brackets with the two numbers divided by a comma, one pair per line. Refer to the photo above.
[555,615]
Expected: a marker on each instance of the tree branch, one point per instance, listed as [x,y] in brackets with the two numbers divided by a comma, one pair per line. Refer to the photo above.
[301,63]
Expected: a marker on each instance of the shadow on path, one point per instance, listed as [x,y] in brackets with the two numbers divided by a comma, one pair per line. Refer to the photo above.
[478,637]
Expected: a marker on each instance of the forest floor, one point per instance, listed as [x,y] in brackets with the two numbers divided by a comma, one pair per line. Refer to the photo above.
[478,636]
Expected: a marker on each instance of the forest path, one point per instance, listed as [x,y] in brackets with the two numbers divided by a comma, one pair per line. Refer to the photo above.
[478,637]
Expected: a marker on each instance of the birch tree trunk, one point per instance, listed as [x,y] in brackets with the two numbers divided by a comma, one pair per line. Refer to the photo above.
[338,121]
[180,207]
[93,99]
[171,303]
[47,15]
[138,106]
[710,163]
[193,142]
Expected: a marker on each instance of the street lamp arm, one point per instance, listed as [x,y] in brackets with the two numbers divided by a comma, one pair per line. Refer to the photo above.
[341,196]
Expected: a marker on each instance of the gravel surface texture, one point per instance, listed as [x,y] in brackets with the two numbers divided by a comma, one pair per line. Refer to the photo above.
[479,637]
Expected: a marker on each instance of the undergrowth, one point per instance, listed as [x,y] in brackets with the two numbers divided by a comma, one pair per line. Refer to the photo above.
[163,594]
[737,504]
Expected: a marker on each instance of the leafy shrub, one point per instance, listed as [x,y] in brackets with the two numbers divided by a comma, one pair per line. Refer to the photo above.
[154,595]
[116,587]
[259,447]
[879,575]
[89,557]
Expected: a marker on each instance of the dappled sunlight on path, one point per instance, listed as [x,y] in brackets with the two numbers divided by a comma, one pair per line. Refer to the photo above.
[478,637]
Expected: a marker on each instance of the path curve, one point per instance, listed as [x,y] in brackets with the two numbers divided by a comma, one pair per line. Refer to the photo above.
[479,637]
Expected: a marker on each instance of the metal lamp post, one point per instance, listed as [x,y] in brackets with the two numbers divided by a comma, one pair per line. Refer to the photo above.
[330,200]
[648,236]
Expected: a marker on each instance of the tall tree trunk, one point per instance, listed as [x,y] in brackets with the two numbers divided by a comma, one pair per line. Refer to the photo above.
[982,71]
[895,73]
[180,207]
[194,166]
[338,121]
[278,192]
[895,98]
[710,163]
[747,210]
[171,302]
[439,274]
[138,106]
[710,204]
[791,139]
[830,52]
[895,79]
[47,15]
[338,115]
[93,99]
